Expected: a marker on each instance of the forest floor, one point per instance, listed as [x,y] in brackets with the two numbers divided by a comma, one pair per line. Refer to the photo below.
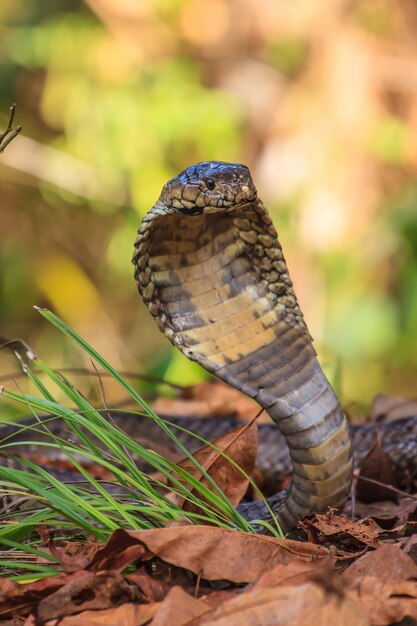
[357,567]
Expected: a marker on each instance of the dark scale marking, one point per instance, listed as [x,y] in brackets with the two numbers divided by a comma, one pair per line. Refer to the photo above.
[298,420]
[315,434]
[308,456]
[295,400]
[188,319]
[236,273]
[178,277]
[243,340]
[205,252]
[294,381]
[285,368]
[244,310]
[260,363]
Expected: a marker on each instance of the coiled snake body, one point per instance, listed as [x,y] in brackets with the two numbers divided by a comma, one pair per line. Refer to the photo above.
[210,269]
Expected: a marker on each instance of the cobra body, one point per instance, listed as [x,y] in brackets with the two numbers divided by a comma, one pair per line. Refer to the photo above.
[399,440]
[210,269]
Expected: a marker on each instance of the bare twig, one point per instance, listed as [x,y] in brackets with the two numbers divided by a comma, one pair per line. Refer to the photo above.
[9,134]
[39,160]
[100,383]
[389,487]
[21,350]
[87,372]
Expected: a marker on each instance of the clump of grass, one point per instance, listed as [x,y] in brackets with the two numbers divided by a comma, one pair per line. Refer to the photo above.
[134,499]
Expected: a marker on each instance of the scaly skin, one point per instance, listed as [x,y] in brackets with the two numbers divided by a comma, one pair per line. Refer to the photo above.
[399,440]
[210,268]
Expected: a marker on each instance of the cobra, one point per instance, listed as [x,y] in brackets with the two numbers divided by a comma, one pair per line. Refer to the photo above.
[211,271]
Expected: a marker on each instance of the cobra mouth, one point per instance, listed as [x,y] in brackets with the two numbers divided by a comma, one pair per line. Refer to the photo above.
[209,210]
[195,210]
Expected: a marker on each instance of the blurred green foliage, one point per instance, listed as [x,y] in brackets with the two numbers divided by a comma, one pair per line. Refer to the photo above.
[117,98]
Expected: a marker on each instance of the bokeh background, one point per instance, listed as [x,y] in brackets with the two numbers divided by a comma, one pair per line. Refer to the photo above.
[318,98]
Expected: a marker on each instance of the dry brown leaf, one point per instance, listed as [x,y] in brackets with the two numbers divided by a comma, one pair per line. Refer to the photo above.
[119,552]
[125,615]
[388,563]
[331,524]
[410,548]
[408,510]
[214,599]
[152,588]
[179,609]
[305,605]
[384,602]
[408,516]
[216,553]
[88,590]
[386,514]
[378,466]
[300,572]
[19,599]
[240,445]
[396,520]
[74,555]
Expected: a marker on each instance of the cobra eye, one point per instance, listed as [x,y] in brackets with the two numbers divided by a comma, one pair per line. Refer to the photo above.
[210,183]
